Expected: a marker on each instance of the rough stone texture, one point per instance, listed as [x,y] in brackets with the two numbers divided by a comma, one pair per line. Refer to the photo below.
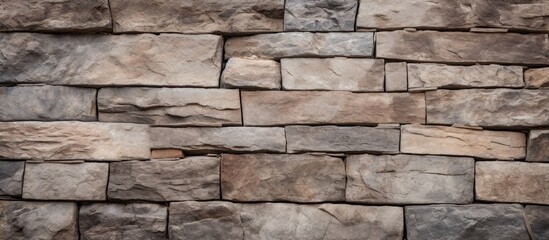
[537,78]
[198,16]
[123,221]
[512,182]
[47,103]
[320,16]
[454,14]
[251,74]
[306,44]
[538,146]
[60,181]
[11,177]
[537,219]
[227,139]
[335,107]
[21,220]
[192,178]
[409,179]
[488,107]
[350,74]
[224,220]
[396,77]
[166,153]
[74,141]
[342,139]
[170,106]
[462,142]
[432,76]
[282,177]
[55,16]
[463,47]
[455,222]
[108,60]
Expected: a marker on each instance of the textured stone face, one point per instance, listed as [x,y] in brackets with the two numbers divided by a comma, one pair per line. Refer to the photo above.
[227,139]
[170,106]
[350,74]
[123,221]
[60,181]
[462,142]
[251,74]
[267,108]
[282,177]
[74,141]
[215,220]
[293,44]
[537,78]
[512,182]
[409,179]
[55,16]
[168,153]
[396,77]
[197,16]
[463,47]
[11,177]
[488,107]
[192,178]
[538,146]
[47,103]
[431,76]
[341,139]
[38,220]
[537,218]
[319,16]
[109,60]
[477,221]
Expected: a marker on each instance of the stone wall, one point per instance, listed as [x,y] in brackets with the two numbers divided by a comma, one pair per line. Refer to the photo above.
[273,119]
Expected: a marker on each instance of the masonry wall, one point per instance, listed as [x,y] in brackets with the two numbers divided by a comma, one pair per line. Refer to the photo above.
[265,119]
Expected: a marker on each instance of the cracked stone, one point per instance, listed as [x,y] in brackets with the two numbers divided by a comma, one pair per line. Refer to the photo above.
[320,15]
[538,150]
[251,74]
[11,177]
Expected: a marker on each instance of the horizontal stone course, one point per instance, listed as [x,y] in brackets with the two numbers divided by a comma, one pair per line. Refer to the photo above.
[11,177]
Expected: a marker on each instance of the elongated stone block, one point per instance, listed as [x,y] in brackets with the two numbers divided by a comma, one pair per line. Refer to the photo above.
[11,177]
[111,60]
[537,78]
[170,106]
[74,141]
[320,16]
[267,108]
[537,218]
[462,142]
[251,74]
[538,146]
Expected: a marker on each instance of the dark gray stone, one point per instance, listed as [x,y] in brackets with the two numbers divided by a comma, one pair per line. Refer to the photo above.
[537,218]
[11,177]
[538,146]
[320,15]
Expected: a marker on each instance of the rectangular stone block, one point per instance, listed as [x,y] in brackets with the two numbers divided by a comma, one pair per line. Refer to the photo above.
[192,178]
[167,153]
[170,106]
[111,60]
[409,179]
[268,108]
[538,146]
[60,181]
[11,177]
[464,47]
[537,78]
[537,218]
[512,182]
[347,74]
[251,74]
[74,141]
[442,140]
[320,16]
[197,16]
[396,77]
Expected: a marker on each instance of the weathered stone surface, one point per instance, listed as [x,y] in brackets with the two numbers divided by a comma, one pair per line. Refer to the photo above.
[74,141]
[454,14]
[168,153]
[55,16]
[537,219]
[462,142]
[282,177]
[341,139]
[198,16]
[538,146]
[409,179]
[396,77]
[123,221]
[463,47]
[351,74]
[267,108]
[227,139]
[192,178]
[320,16]
[11,177]
[488,107]
[537,78]
[306,44]
[512,182]
[431,76]
[251,74]
[455,222]
[21,220]
[108,60]
[170,106]
[224,220]
[60,181]
[47,103]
